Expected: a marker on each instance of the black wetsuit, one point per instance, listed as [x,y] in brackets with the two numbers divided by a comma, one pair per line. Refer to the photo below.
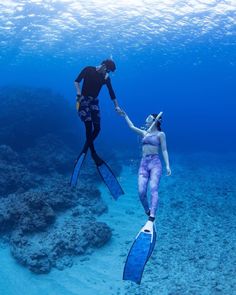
[89,111]
[93,82]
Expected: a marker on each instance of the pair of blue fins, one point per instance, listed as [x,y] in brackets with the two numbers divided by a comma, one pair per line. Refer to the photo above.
[144,242]
[105,172]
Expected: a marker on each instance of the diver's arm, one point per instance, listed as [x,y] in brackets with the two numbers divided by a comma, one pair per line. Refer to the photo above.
[78,91]
[112,93]
[165,152]
[154,122]
[78,95]
[131,125]
[79,79]
[109,87]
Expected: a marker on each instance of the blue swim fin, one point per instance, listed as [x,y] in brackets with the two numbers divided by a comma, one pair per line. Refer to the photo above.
[76,170]
[110,180]
[139,253]
[104,171]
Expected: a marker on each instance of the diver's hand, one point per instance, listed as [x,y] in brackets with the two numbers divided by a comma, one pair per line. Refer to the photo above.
[77,105]
[78,100]
[168,171]
[122,113]
[79,97]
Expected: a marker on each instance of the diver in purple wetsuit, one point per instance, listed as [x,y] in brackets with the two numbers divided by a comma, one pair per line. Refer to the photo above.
[150,169]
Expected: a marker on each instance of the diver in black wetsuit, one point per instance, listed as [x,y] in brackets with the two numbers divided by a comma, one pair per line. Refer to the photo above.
[87,103]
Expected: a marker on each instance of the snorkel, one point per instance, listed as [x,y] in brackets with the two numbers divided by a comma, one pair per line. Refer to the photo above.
[154,121]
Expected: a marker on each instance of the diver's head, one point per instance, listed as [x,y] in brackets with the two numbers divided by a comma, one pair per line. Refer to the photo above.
[109,65]
[149,120]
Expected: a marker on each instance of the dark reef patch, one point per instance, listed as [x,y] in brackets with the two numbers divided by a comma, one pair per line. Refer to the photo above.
[49,154]
[14,176]
[27,114]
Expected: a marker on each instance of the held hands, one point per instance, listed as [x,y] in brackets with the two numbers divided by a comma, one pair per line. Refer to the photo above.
[118,110]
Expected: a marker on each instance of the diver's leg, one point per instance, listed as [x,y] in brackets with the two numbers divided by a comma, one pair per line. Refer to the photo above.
[84,113]
[155,175]
[143,177]
[95,132]
[89,137]
[85,116]
[95,116]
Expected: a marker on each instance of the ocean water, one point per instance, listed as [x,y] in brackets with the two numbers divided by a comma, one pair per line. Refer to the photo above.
[178,57]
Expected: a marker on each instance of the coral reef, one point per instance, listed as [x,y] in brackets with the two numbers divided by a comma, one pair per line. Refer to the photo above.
[30,216]
[14,176]
[57,247]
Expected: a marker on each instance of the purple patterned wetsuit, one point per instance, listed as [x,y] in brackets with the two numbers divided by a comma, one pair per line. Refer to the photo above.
[149,171]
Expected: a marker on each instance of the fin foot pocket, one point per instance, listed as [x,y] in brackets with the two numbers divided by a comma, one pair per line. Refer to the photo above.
[98,161]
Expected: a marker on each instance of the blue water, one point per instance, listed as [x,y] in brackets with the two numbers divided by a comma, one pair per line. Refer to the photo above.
[193,86]
[171,56]
[178,57]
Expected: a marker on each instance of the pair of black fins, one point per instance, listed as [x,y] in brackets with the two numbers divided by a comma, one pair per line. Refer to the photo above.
[104,171]
[139,253]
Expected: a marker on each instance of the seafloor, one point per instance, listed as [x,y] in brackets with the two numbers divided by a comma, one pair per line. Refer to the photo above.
[61,241]
[195,249]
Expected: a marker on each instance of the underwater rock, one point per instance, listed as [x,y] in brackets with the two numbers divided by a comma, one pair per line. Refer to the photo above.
[64,262]
[14,176]
[36,241]
[49,155]
[35,210]
[28,212]
[27,113]
[97,234]
[57,247]
[32,256]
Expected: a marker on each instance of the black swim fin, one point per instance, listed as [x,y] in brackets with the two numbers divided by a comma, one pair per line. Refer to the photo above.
[139,253]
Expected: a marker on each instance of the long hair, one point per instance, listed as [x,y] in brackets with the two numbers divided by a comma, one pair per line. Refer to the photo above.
[158,123]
